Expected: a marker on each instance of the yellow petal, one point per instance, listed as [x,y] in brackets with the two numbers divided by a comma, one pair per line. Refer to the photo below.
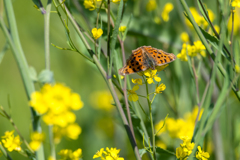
[136,87]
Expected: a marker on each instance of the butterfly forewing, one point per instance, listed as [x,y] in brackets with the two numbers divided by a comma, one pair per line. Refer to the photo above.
[134,64]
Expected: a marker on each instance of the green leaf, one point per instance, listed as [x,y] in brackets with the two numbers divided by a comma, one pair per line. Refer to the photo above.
[46,76]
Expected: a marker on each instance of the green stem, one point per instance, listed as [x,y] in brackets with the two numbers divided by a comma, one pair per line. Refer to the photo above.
[47,67]
[16,47]
[119,107]
[46,34]
[151,121]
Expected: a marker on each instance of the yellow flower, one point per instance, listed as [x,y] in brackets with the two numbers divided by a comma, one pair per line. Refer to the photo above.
[102,100]
[51,158]
[37,138]
[151,5]
[122,28]
[10,142]
[237,68]
[89,4]
[201,155]
[151,74]
[97,33]
[236,3]
[167,9]
[132,94]
[56,101]
[200,48]
[185,148]
[138,81]
[109,154]
[98,154]
[184,37]
[73,131]
[160,88]
[68,154]
[183,55]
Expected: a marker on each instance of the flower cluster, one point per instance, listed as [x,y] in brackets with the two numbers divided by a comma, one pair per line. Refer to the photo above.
[177,128]
[37,138]
[150,77]
[109,154]
[151,5]
[236,3]
[166,10]
[186,148]
[97,33]
[10,142]
[192,50]
[93,4]
[67,154]
[56,103]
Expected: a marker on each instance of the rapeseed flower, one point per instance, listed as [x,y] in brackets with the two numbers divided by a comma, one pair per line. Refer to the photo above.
[183,55]
[151,5]
[102,100]
[151,74]
[36,140]
[89,4]
[109,154]
[67,154]
[132,94]
[184,37]
[56,102]
[185,148]
[200,48]
[10,142]
[160,88]
[71,131]
[236,3]
[122,28]
[138,81]
[97,33]
[201,155]
[177,128]
[166,10]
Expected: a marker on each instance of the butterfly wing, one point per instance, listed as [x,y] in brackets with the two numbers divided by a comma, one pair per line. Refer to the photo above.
[135,63]
[160,57]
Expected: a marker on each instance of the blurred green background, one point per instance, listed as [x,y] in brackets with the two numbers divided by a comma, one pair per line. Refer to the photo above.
[98,131]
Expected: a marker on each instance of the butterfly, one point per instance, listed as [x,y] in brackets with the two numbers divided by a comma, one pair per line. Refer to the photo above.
[146,57]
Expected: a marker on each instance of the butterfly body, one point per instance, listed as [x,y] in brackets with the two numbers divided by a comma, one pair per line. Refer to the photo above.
[146,57]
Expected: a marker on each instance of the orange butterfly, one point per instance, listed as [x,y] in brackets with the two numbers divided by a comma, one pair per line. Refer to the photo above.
[146,57]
